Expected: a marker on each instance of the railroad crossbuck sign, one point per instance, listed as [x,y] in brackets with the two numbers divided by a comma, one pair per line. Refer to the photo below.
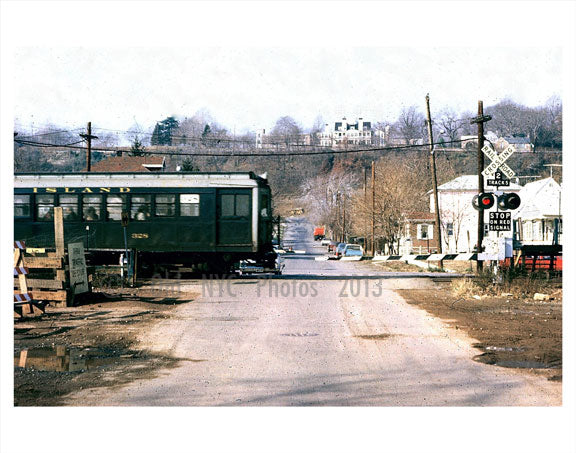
[498,161]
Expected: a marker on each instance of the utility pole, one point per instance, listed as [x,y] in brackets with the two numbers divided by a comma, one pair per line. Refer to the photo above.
[88,137]
[372,246]
[437,228]
[338,216]
[365,206]
[480,120]
[344,217]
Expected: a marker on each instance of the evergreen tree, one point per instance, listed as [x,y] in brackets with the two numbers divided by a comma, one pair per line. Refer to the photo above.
[205,134]
[188,165]
[136,149]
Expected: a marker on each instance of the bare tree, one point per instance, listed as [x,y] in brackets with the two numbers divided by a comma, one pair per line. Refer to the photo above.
[316,129]
[399,192]
[450,124]
[411,124]
[287,131]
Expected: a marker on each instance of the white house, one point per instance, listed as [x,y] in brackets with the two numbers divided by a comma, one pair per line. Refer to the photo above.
[540,209]
[347,133]
[458,217]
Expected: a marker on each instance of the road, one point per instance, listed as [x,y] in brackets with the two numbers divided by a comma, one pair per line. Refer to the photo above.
[326,333]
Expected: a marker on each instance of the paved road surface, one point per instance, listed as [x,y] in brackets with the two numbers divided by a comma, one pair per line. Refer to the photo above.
[315,337]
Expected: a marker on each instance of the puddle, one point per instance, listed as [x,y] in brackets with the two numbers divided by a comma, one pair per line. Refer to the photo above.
[490,358]
[64,359]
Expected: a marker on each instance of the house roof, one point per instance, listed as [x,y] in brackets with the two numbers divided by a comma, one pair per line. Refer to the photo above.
[468,182]
[129,164]
[421,216]
[540,199]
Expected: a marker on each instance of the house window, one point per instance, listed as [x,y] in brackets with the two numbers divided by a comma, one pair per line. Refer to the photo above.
[141,207]
[424,232]
[45,207]
[450,229]
[189,205]
[21,205]
[92,207]
[165,205]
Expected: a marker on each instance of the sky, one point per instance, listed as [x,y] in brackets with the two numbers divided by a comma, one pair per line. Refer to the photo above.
[250,88]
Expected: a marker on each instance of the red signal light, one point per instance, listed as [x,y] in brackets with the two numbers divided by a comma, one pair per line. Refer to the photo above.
[483,201]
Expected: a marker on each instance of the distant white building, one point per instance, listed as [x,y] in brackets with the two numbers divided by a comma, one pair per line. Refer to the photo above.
[520,144]
[343,133]
[260,137]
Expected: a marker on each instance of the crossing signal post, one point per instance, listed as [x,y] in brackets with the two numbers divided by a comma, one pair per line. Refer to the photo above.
[498,175]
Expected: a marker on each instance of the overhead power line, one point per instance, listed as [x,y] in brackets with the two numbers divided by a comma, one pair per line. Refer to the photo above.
[313,152]
[246,154]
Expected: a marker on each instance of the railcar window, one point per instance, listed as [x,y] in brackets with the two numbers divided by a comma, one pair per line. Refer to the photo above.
[189,205]
[242,205]
[69,205]
[21,205]
[92,207]
[227,205]
[141,207]
[264,207]
[234,205]
[45,207]
[165,205]
[114,206]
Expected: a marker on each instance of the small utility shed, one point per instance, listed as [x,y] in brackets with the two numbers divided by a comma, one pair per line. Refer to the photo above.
[539,212]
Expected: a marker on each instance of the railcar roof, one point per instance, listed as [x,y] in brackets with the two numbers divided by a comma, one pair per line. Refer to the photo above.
[139,179]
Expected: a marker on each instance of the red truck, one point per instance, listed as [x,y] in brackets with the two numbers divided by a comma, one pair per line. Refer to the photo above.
[318,233]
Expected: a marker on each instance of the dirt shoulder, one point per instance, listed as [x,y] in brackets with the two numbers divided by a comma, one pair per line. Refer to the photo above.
[520,333]
[91,345]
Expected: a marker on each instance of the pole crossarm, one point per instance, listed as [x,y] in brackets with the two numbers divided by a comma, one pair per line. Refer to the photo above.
[480,119]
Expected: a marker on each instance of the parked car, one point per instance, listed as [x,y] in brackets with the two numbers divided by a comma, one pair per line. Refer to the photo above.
[325,241]
[353,250]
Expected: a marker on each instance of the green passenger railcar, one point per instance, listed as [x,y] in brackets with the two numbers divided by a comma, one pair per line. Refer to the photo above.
[209,219]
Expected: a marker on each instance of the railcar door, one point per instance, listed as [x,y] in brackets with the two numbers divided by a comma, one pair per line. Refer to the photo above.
[234,208]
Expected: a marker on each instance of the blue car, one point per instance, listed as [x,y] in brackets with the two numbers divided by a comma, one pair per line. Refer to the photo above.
[353,250]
